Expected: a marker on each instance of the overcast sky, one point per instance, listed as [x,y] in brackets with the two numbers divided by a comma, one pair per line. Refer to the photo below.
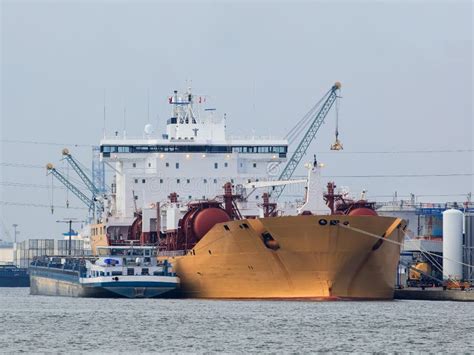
[405,68]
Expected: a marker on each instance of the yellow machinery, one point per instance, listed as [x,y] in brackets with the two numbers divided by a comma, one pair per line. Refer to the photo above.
[420,268]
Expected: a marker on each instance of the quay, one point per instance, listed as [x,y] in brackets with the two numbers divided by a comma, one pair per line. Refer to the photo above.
[434,294]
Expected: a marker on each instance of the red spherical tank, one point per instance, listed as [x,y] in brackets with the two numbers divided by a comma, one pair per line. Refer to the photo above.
[206,219]
[362,211]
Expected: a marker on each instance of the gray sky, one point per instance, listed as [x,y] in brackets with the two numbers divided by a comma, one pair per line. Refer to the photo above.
[405,67]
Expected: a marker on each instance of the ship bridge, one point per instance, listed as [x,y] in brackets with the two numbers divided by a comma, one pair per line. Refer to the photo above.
[194,158]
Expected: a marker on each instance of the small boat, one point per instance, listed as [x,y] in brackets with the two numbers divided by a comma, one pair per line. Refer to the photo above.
[118,271]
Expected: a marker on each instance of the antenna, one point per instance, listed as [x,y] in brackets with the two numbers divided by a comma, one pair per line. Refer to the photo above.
[148,105]
[104,113]
[124,122]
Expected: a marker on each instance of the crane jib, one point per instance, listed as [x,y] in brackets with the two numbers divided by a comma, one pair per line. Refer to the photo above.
[300,151]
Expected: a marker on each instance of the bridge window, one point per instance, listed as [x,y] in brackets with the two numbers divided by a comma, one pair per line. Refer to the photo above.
[106,149]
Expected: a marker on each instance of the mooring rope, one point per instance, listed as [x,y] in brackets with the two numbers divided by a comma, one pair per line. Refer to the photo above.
[398,243]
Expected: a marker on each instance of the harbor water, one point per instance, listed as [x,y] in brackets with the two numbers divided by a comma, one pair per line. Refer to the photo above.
[61,324]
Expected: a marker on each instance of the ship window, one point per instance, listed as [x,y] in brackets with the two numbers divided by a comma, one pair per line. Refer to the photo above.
[188,181]
[232,180]
[167,164]
[177,165]
[145,271]
[254,165]
[143,181]
[226,227]
[246,226]
[215,181]
[134,165]
[178,181]
[226,165]
[161,181]
[130,271]
[190,197]
[149,165]
[216,165]
[248,180]
[136,181]
[205,181]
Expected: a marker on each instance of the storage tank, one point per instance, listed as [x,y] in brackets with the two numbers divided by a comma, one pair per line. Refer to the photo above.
[452,244]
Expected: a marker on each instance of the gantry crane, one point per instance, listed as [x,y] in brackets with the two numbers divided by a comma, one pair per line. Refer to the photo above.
[330,97]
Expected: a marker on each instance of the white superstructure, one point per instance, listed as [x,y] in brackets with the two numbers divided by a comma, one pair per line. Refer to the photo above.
[194,158]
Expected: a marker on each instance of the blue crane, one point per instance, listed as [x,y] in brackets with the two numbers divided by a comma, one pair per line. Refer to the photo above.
[75,165]
[330,97]
[92,203]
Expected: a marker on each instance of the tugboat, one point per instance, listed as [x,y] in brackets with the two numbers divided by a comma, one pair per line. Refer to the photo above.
[119,271]
[12,276]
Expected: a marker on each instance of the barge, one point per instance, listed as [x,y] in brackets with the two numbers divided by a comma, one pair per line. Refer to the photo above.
[119,271]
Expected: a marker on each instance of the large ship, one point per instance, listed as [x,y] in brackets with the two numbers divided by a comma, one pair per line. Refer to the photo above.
[209,202]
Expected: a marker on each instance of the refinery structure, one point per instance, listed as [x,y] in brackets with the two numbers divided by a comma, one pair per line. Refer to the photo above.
[211,204]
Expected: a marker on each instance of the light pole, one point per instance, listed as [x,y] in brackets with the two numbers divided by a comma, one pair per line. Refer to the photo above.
[15,233]
[69,221]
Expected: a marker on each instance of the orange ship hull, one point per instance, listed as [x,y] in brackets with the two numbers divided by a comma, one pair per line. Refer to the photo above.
[305,259]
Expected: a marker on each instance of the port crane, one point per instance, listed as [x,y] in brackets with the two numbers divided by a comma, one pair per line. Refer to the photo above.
[318,118]
[95,205]
[80,172]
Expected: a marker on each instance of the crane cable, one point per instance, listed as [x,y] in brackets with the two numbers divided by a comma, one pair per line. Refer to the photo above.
[304,121]
[337,117]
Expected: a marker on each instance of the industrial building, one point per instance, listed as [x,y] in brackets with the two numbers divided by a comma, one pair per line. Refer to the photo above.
[435,231]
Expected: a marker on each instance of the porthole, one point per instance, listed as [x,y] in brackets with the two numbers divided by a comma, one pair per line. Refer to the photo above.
[323,222]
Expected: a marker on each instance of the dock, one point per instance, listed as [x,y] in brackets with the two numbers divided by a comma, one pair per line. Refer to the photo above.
[434,294]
